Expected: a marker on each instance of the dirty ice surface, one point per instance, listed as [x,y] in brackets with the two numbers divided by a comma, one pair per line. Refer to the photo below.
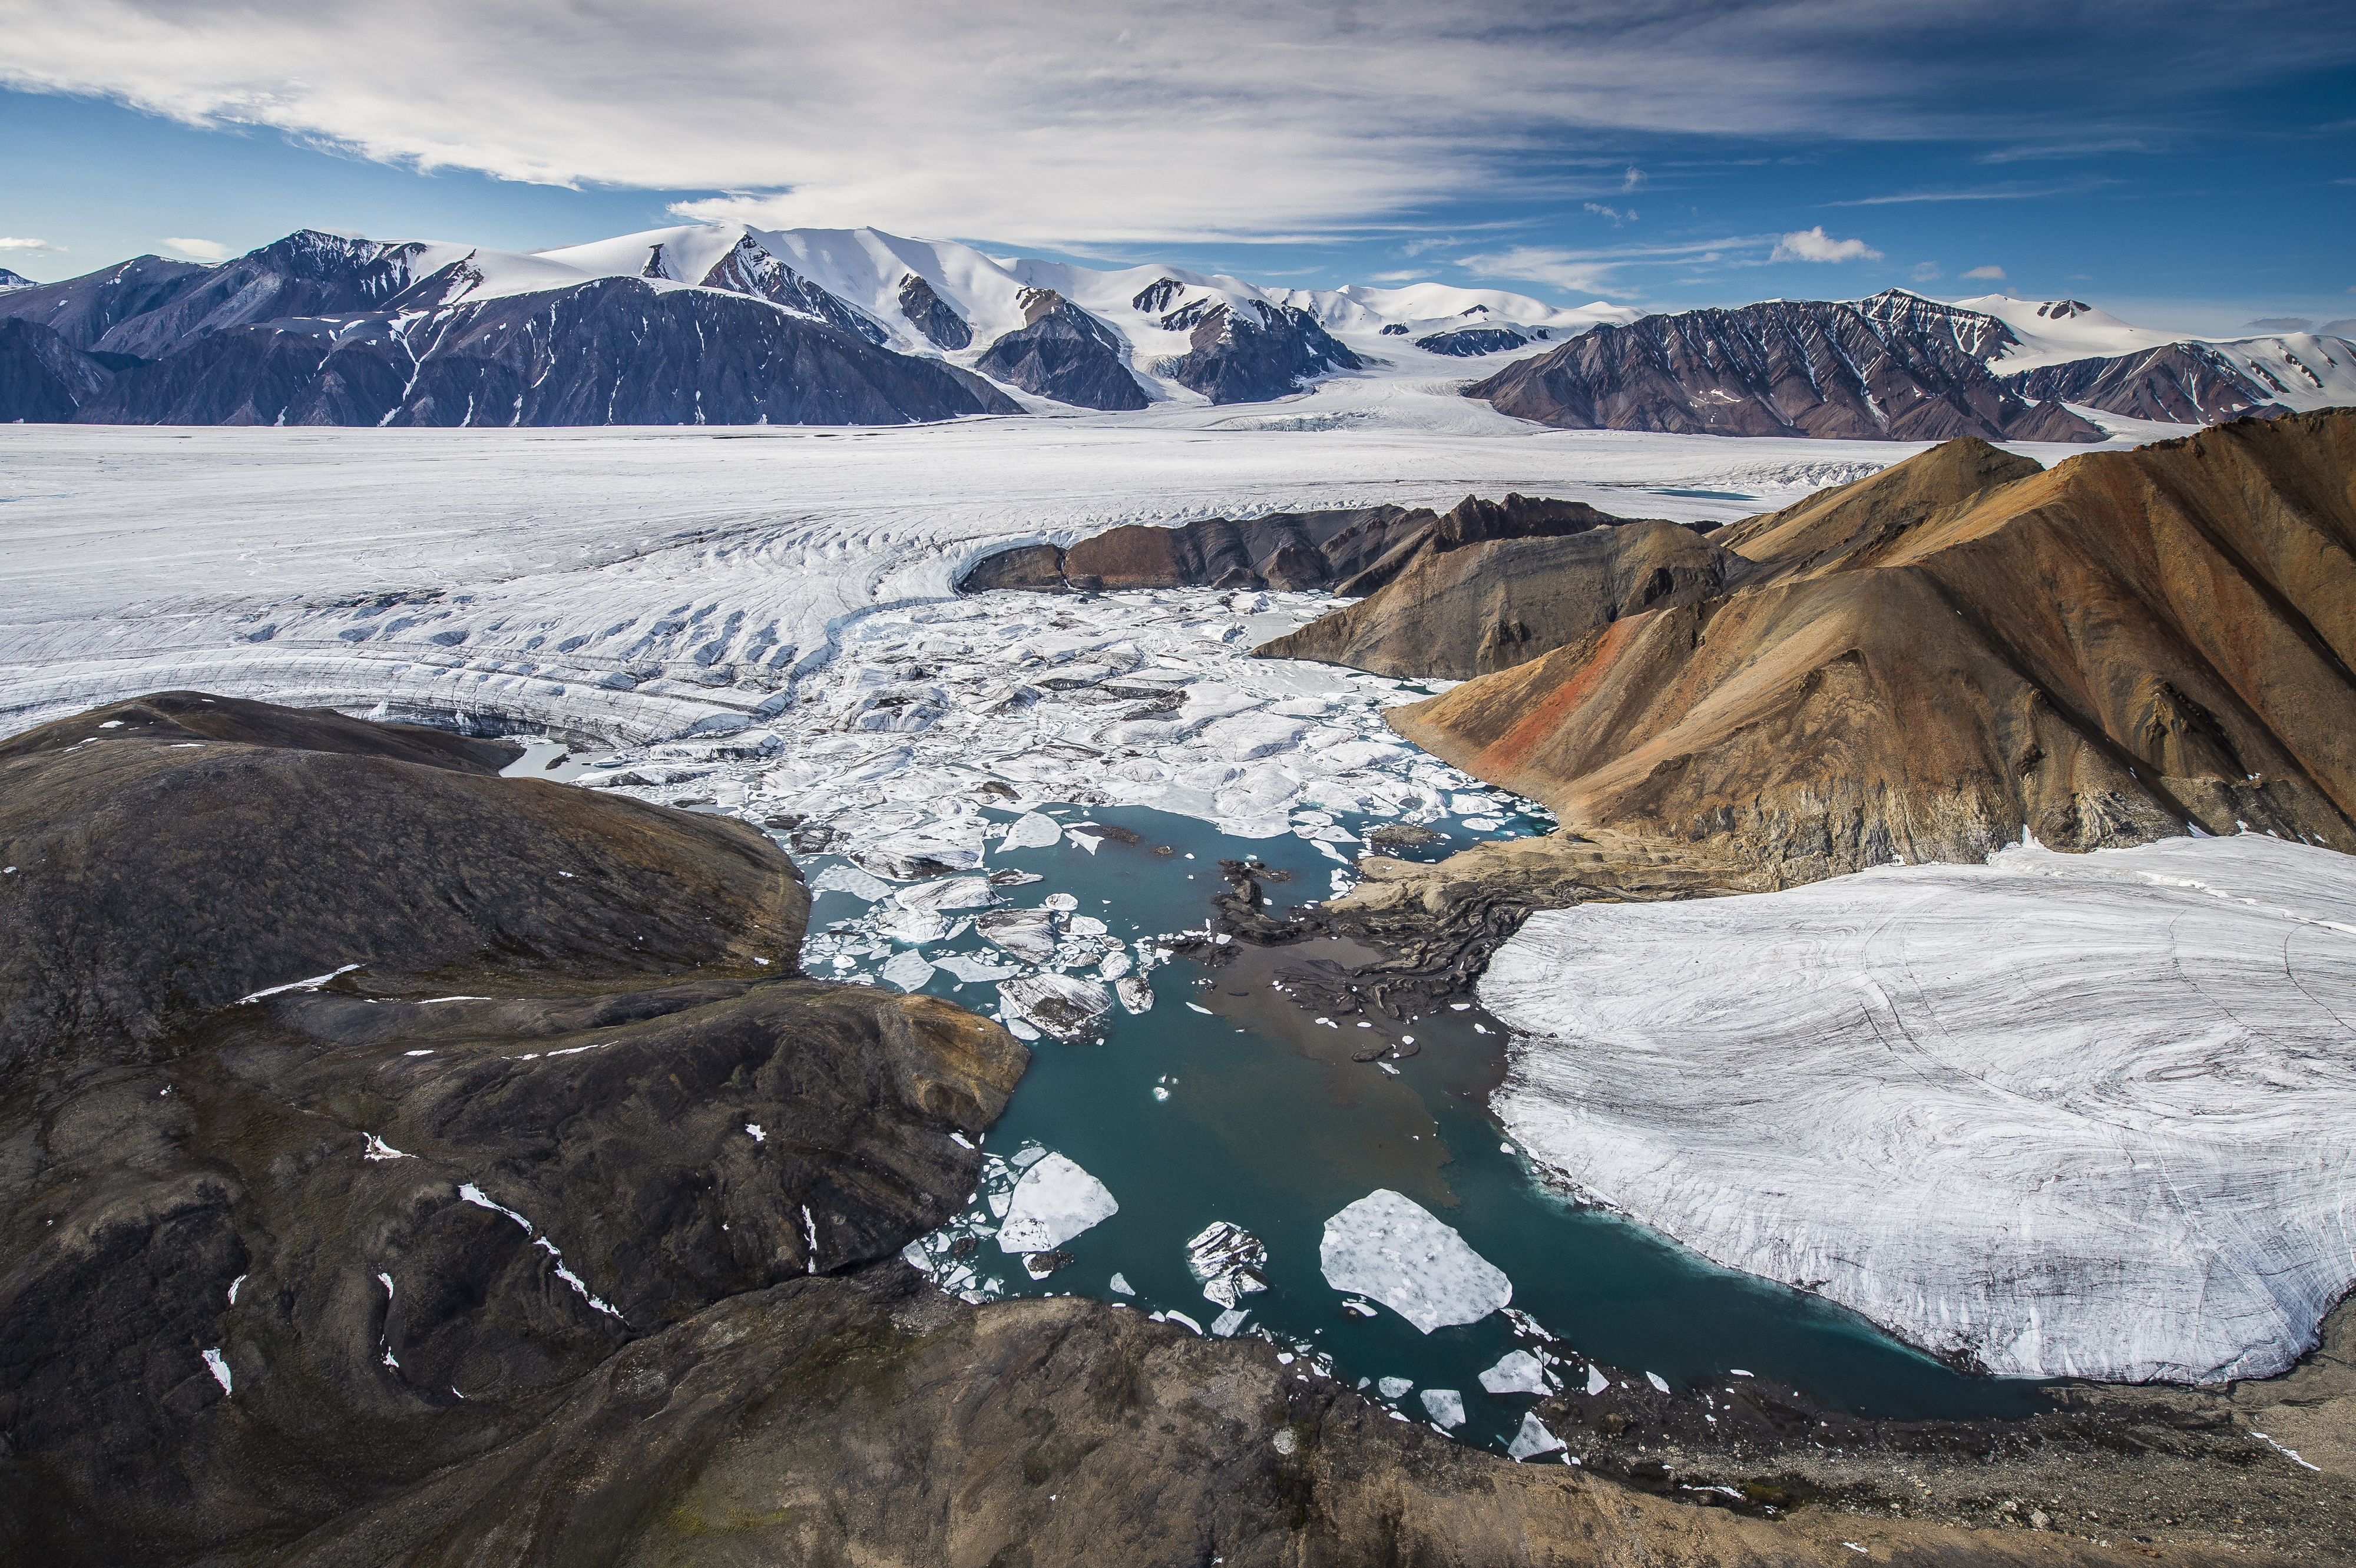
[2090,1115]
[1392,1249]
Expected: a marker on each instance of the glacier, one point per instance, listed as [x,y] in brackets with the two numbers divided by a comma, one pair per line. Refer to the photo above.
[2083,1116]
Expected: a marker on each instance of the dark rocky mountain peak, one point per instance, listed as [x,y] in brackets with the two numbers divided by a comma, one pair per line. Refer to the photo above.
[83,310]
[2189,383]
[1395,329]
[942,327]
[1895,368]
[14,280]
[749,268]
[1253,353]
[2062,309]
[1469,342]
[1155,297]
[1063,353]
[1474,310]
[656,267]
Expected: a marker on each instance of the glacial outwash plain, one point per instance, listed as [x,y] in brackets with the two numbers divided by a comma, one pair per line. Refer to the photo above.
[1170,922]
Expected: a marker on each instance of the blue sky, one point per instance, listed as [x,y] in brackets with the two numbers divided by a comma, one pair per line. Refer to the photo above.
[2184,166]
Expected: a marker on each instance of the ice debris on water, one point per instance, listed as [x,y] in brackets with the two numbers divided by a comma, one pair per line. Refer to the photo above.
[1390,1248]
[1659,1383]
[218,1366]
[1519,1372]
[1225,1325]
[1228,1260]
[1028,934]
[1533,1439]
[1121,1286]
[1059,1004]
[1595,1381]
[969,969]
[1445,1406]
[1395,1388]
[1054,1201]
[909,971]
[852,880]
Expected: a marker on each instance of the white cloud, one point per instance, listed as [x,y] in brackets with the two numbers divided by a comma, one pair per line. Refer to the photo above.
[203,249]
[1614,213]
[1067,122]
[1635,179]
[1816,245]
[1587,272]
[2279,323]
[1993,274]
[28,245]
[1413,274]
[1926,271]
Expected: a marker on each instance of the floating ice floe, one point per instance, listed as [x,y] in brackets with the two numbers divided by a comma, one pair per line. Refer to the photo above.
[1028,934]
[1445,1406]
[1054,1201]
[1062,903]
[1136,993]
[1059,1004]
[1533,1439]
[1390,1248]
[1660,1384]
[852,880]
[1031,830]
[912,927]
[909,971]
[1595,1381]
[951,893]
[969,969]
[1121,1286]
[913,859]
[1519,1373]
[1394,1387]
[1228,1260]
[2065,1115]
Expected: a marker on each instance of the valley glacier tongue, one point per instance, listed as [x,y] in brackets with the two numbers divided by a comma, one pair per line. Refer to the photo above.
[2064,1115]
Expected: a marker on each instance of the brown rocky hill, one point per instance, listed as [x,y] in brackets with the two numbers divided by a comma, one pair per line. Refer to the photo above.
[1927,662]
[1352,552]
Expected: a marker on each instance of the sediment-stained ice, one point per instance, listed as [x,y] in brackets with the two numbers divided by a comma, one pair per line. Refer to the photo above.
[1060,1004]
[1390,1248]
[1054,1201]
[1028,934]
[1228,1260]
[2065,1115]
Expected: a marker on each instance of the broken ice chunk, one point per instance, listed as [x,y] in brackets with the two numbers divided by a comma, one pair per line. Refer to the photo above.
[1062,903]
[1121,1286]
[1533,1439]
[1113,965]
[969,967]
[1060,1004]
[1031,830]
[1228,1259]
[909,971]
[1658,1382]
[1595,1381]
[1054,1201]
[911,857]
[1519,1373]
[1446,1405]
[1136,993]
[1028,934]
[1225,1325]
[852,880]
[1390,1247]
[912,927]
[956,893]
[1395,1388]
[1084,926]
[219,1367]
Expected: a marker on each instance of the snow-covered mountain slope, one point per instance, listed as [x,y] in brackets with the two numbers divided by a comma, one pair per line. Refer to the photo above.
[2075,1115]
[2300,370]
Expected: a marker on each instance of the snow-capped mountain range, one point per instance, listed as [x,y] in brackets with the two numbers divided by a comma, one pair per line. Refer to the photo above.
[727,324]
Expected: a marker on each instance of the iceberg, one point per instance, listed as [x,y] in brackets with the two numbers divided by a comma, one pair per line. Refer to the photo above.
[1390,1248]
[1054,1201]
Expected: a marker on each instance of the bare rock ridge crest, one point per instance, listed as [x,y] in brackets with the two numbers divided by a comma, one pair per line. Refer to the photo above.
[1925,664]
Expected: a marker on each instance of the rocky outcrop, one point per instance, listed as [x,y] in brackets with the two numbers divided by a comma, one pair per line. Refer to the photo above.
[1352,552]
[942,327]
[44,380]
[1459,612]
[1472,343]
[355,1093]
[84,310]
[616,351]
[2102,653]
[2189,384]
[1064,353]
[1250,352]
[1897,367]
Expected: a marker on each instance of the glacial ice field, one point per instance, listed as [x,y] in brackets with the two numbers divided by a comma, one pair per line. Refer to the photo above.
[2063,1115]
[627,585]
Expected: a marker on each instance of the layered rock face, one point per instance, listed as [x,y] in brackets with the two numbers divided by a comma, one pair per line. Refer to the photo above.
[316,329]
[44,379]
[361,1102]
[1063,352]
[1895,368]
[2185,382]
[1927,662]
[1352,552]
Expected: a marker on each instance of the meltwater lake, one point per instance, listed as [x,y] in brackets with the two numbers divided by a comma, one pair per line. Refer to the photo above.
[1226,1103]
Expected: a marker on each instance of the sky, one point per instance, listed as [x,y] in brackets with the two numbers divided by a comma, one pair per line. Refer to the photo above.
[2190,167]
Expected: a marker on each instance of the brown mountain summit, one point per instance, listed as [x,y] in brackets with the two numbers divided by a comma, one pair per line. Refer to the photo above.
[1926,662]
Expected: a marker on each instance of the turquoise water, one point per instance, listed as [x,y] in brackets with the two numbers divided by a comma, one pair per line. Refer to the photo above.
[1269,1125]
